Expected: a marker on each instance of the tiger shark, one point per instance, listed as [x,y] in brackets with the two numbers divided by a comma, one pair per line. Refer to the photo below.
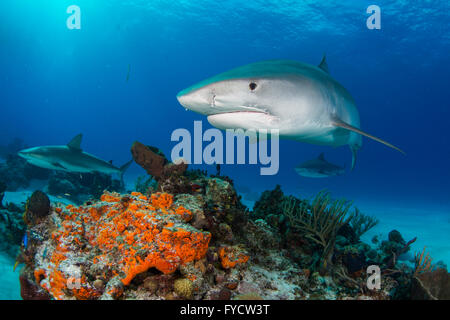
[301,100]
[70,158]
[319,168]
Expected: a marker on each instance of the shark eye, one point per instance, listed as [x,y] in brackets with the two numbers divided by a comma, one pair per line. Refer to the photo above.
[252,86]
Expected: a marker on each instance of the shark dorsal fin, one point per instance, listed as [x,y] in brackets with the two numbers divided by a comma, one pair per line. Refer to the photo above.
[321,157]
[324,65]
[75,143]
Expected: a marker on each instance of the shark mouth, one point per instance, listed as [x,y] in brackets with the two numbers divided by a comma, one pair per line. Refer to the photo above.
[240,109]
[250,118]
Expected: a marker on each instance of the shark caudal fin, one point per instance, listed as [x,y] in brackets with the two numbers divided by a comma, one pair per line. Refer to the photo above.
[123,169]
[341,124]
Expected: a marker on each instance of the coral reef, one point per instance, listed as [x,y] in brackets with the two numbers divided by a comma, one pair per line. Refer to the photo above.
[12,228]
[145,185]
[121,238]
[2,193]
[319,222]
[150,158]
[200,242]
[183,287]
[422,262]
[361,223]
[17,173]
[168,175]
[81,187]
[12,148]
[37,207]
[431,285]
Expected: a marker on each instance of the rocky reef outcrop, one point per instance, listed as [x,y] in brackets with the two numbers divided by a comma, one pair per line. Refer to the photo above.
[16,173]
[431,285]
[199,241]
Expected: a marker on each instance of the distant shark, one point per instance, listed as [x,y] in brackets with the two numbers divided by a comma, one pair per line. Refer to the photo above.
[319,168]
[70,158]
[303,101]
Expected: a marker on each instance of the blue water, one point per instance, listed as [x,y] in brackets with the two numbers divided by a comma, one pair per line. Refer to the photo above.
[57,82]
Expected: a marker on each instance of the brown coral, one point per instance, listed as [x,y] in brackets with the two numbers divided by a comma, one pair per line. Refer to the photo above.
[431,285]
[155,163]
[152,162]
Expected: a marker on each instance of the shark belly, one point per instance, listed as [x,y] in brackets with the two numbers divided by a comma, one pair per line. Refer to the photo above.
[311,174]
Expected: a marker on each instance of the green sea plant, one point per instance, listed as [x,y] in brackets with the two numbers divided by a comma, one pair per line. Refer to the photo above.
[319,220]
[362,223]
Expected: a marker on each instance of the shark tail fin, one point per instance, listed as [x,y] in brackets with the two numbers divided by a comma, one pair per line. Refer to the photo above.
[123,169]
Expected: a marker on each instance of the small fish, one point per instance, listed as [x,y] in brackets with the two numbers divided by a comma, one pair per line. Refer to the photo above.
[196,187]
[128,73]
[25,241]
[67,194]
[15,265]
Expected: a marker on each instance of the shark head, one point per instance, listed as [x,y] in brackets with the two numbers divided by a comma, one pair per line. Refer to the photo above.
[33,154]
[262,95]
[40,157]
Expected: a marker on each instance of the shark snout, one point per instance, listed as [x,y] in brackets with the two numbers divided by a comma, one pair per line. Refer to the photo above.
[198,101]
[28,154]
[22,153]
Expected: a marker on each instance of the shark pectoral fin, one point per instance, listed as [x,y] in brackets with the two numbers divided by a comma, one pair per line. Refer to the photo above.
[341,124]
[75,143]
[58,165]
[125,166]
[123,169]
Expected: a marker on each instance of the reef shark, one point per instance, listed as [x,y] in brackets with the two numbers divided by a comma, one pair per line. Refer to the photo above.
[319,168]
[302,101]
[70,158]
